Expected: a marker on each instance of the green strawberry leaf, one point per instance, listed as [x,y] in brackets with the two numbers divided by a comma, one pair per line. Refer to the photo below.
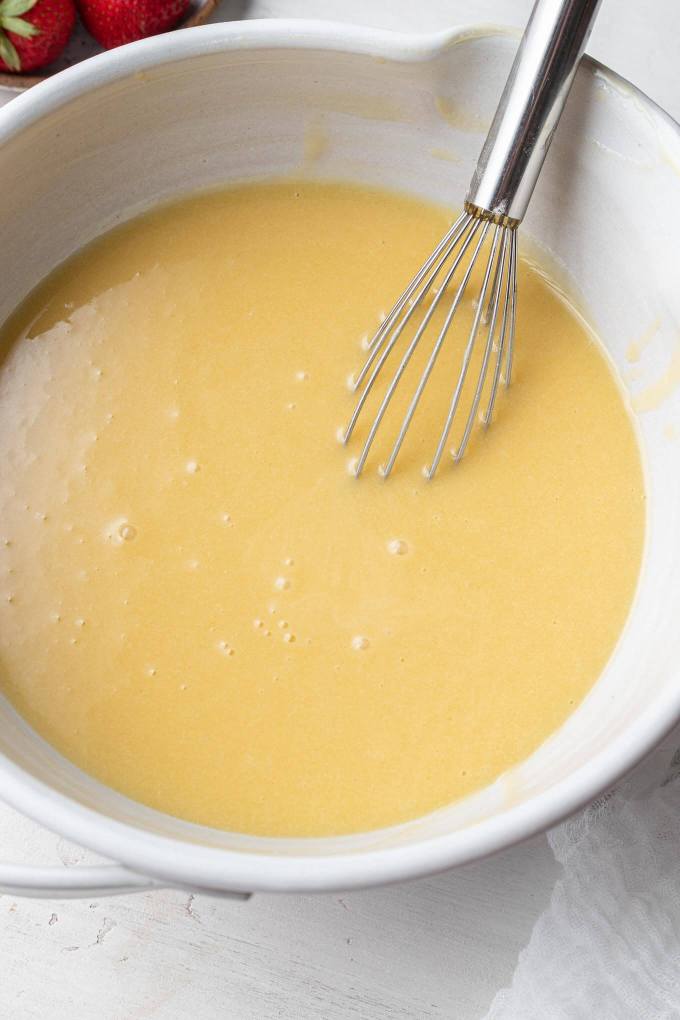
[20,27]
[15,8]
[8,53]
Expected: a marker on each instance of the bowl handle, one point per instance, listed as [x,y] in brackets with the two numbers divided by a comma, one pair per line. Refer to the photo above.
[70,883]
[86,882]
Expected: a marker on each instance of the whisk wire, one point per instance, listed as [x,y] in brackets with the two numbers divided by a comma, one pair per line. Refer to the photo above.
[442,290]
[376,344]
[492,311]
[448,241]
[472,338]
[427,371]
[488,414]
[513,302]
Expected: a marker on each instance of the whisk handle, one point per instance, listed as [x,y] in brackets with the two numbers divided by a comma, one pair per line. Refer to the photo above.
[530,107]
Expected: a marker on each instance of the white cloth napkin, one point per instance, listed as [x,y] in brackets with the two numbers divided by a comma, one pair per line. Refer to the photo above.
[608,945]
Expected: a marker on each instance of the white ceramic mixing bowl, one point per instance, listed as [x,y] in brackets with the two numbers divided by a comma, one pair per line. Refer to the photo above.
[114,135]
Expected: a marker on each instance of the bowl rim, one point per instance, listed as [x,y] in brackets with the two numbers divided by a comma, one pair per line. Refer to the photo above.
[176,861]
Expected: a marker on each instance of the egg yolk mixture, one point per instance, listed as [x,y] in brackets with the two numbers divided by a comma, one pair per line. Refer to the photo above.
[202,608]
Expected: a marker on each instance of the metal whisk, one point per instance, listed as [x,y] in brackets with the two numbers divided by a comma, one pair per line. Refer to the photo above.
[501,187]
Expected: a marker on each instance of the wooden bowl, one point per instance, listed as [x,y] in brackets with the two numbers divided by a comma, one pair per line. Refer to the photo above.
[81,46]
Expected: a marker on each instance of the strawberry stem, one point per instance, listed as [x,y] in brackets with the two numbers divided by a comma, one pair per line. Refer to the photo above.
[20,27]
[11,21]
[15,8]
[8,53]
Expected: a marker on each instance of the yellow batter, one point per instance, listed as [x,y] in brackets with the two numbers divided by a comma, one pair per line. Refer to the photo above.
[201,607]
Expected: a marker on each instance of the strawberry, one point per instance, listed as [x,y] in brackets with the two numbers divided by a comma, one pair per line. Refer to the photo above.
[115,22]
[33,32]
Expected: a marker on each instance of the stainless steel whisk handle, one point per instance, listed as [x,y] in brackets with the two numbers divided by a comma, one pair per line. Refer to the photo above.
[530,107]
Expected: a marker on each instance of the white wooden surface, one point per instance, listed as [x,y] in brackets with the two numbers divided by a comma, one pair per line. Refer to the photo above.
[438,948]
[434,948]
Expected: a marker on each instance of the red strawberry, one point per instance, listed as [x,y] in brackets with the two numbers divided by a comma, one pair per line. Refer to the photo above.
[115,22]
[33,32]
